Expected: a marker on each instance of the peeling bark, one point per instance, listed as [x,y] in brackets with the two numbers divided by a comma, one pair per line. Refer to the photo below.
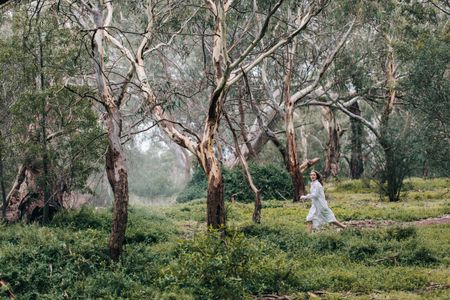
[25,201]
[291,143]
[116,169]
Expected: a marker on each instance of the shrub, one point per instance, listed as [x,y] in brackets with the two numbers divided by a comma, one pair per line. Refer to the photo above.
[400,233]
[417,256]
[273,181]
[362,251]
[209,268]
[83,218]
[327,242]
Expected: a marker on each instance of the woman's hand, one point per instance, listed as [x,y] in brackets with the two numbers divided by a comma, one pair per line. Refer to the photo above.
[303,197]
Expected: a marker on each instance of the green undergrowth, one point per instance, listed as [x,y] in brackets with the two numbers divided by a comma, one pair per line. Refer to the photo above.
[168,254]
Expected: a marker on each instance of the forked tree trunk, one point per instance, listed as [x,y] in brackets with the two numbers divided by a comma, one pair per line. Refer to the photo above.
[292,162]
[116,169]
[356,159]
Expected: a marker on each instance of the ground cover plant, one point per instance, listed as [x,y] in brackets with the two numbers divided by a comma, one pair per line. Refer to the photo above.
[169,254]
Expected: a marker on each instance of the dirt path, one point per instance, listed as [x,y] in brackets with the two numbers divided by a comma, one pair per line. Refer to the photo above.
[445,219]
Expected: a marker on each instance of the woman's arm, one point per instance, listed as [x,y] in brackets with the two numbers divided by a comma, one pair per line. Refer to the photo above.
[314,193]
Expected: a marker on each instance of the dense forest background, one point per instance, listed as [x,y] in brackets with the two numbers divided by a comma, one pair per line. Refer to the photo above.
[107,103]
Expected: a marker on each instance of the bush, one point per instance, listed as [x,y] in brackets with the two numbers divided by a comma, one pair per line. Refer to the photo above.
[209,268]
[273,181]
[196,188]
[362,251]
[83,218]
[400,233]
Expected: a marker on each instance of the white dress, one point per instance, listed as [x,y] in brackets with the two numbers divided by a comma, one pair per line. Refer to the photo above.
[319,214]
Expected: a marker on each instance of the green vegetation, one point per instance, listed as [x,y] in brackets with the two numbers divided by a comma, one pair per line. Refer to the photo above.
[169,255]
[272,179]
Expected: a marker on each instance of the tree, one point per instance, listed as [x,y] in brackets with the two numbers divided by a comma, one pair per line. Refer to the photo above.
[227,69]
[52,134]
[387,25]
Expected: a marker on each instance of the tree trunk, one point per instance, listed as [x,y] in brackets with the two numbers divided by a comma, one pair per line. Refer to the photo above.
[291,143]
[116,169]
[356,160]
[332,155]
[117,174]
[118,179]
[293,168]
[2,180]
[257,211]
[43,123]
[251,152]
[215,197]
[26,201]
[390,176]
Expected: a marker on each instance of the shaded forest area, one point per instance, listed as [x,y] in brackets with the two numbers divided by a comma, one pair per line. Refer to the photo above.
[106,102]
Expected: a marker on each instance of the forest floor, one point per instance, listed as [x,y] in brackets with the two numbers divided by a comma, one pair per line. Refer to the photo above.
[445,219]
[390,250]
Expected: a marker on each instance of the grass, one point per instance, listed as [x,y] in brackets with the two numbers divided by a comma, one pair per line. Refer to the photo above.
[169,255]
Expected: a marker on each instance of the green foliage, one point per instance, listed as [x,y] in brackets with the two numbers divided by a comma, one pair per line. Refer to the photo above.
[70,259]
[44,120]
[169,254]
[427,98]
[273,181]
[83,219]
[211,268]
[196,188]
[356,186]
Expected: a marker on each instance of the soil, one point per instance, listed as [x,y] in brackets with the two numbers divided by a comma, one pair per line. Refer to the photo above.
[445,219]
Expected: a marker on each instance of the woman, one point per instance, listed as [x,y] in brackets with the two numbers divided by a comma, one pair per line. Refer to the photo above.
[319,214]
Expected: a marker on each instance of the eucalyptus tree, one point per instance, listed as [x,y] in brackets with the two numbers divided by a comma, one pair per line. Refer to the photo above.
[217,37]
[427,89]
[375,73]
[301,69]
[52,132]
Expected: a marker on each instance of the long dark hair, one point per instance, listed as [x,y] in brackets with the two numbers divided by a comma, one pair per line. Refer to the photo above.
[319,176]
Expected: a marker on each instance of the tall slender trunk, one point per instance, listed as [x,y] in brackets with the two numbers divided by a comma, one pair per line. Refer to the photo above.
[2,179]
[393,187]
[118,179]
[356,159]
[291,143]
[332,155]
[45,160]
[116,169]
[258,205]
[242,124]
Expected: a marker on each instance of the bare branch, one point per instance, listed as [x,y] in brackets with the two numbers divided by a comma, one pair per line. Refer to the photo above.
[262,32]
[237,74]
[302,93]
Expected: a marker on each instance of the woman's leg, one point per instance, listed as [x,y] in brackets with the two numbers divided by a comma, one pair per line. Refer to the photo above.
[310,226]
[339,224]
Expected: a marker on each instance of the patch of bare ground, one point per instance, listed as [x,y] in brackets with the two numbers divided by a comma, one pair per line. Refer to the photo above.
[445,219]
